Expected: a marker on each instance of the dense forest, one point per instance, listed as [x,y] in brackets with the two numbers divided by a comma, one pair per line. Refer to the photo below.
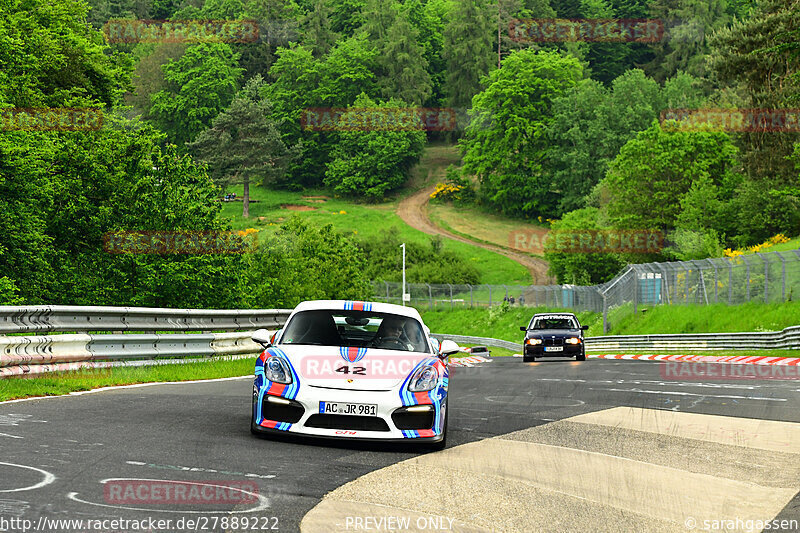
[568,131]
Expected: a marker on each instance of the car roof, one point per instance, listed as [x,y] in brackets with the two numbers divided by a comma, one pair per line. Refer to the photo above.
[571,315]
[350,305]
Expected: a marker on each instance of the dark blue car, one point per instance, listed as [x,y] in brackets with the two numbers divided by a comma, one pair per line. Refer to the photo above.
[553,335]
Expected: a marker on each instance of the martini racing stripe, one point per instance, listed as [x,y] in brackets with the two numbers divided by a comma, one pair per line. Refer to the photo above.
[357,306]
[352,354]
[274,389]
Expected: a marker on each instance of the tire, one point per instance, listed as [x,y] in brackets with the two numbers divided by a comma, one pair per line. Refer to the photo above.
[528,358]
[581,356]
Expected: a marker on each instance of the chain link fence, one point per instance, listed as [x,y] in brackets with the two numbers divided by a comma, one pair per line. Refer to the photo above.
[763,277]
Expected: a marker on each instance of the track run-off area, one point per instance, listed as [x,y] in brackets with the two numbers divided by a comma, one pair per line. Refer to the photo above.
[558,445]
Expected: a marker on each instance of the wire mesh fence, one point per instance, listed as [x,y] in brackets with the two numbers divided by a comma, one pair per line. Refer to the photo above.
[764,277]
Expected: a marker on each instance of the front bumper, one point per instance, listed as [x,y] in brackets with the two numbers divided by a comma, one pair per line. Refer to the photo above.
[569,350]
[302,416]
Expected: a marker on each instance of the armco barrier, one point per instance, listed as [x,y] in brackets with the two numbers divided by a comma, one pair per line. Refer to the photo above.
[69,318]
[787,339]
[76,348]
[46,353]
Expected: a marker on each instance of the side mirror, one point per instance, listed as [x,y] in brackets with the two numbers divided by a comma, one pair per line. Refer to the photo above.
[584,328]
[263,337]
[523,328]
[448,347]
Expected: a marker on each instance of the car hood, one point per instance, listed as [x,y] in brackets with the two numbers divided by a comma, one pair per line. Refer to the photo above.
[533,333]
[366,369]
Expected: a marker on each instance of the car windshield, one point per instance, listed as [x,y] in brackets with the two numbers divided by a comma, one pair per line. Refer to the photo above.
[554,323]
[355,328]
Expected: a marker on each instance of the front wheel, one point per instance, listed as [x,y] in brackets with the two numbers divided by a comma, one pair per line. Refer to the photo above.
[581,356]
[528,358]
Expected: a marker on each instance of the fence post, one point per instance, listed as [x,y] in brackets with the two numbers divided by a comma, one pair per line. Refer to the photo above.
[387,292]
[766,276]
[605,314]
[635,290]
[490,295]
[783,276]
[451,295]
[730,282]
[430,296]
[470,296]
[716,283]
[748,276]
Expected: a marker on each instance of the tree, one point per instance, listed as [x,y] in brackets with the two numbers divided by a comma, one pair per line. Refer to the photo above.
[667,176]
[685,46]
[302,82]
[370,162]
[318,35]
[581,268]
[243,143]
[199,85]
[49,56]
[505,143]
[469,49]
[404,64]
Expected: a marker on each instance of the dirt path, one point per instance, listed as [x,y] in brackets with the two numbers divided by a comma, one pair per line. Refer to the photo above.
[413,211]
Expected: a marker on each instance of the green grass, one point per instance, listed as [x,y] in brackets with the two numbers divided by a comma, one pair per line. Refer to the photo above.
[717,318]
[478,224]
[793,244]
[362,221]
[489,322]
[83,380]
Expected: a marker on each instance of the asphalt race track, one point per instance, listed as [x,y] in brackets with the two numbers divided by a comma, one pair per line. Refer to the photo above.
[599,445]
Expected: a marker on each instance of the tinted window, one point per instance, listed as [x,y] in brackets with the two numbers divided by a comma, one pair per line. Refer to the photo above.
[355,328]
[554,323]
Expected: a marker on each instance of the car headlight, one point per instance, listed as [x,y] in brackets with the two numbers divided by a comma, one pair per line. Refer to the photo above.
[533,342]
[275,370]
[573,340]
[424,379]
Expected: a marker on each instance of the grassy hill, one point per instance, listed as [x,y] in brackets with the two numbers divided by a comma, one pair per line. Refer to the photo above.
[363,221]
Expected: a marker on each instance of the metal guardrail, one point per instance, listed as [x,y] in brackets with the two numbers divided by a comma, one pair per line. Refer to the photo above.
[787,339]
[48,353]
[69,318]
[74,348]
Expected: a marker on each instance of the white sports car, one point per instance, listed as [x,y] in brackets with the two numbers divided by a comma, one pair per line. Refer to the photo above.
[352,370]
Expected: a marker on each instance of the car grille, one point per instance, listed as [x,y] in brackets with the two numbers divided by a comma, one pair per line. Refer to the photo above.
[362,423]
[554,342]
